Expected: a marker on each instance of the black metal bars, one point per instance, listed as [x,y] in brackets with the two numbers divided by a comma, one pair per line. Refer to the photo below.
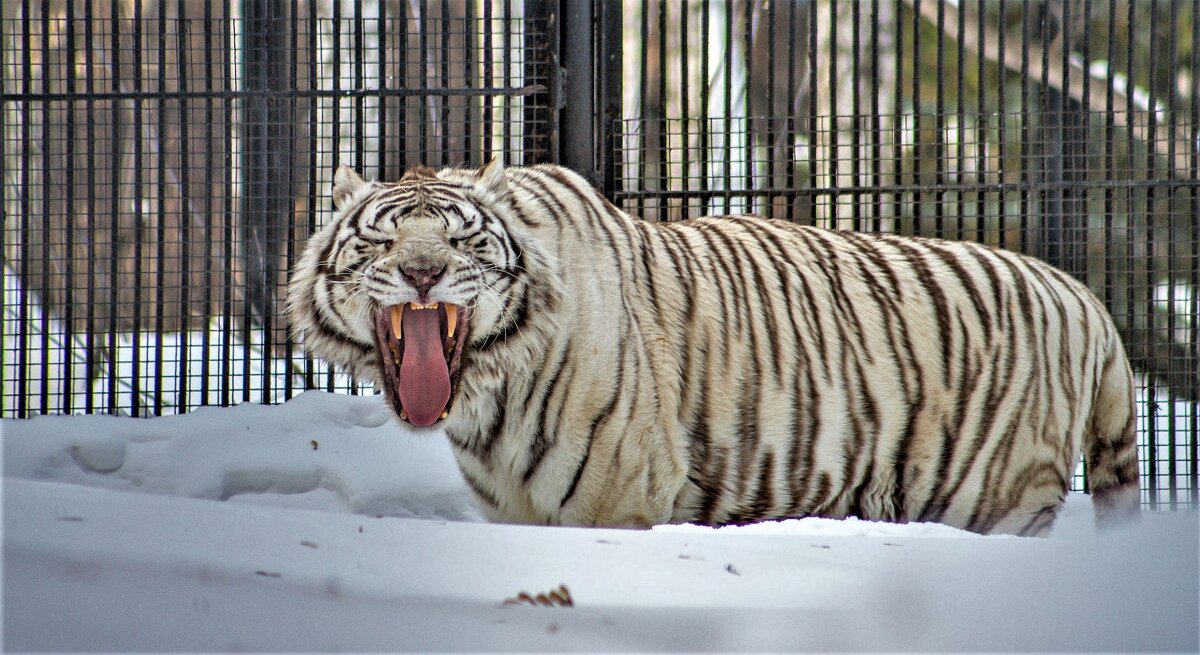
[165,160]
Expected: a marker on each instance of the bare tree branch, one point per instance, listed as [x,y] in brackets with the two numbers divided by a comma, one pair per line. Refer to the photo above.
[1031,55]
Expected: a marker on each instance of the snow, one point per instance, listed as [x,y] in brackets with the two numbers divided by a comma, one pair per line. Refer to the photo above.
[321,524]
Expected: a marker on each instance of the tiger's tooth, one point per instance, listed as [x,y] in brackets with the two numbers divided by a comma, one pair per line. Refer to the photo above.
[445,413]
[403,415]
[413,305]
[451,319]
[397,324]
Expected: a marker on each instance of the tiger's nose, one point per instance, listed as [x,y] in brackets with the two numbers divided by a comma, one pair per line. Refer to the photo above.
[422,279]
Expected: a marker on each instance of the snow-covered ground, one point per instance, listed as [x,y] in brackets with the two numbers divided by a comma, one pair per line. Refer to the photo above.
[321,524]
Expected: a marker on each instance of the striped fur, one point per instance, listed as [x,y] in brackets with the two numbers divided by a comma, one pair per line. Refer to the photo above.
[730,369]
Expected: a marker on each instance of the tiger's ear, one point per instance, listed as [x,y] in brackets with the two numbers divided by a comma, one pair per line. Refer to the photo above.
[491,176]
[345,183]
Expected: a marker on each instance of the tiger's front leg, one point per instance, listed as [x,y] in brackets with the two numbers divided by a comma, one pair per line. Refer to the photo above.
[625,475]
[630,478]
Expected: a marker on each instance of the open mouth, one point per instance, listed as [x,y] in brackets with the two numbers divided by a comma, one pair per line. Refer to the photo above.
[421,348]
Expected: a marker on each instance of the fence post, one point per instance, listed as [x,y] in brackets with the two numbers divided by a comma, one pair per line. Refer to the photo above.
[268,122]
[609,62]
[589,49]
[1064,161]
[542,62]
[578,146]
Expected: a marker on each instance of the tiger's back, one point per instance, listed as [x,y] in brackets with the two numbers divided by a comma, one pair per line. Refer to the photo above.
[736,369]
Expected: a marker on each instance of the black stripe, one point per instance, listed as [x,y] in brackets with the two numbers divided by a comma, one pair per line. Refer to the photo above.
[604,218]
[811,304]
[392,209]
[603,417]
[846,320]
[331,308]
[938,501]
[699,443]
[680,332]
[715,485]
[1040,521]
[748,438]
[476,488]
[756,230]
[649,262]
[844,309]
[541,443]
[998,390]
[334,334]
[804,414]
[969,378]
[869,247]
[1066,369]
[805,303]
[984,257]
[682,261]
[748,417]
[934,292]
[549,201]
[353,217]
[764,498]
[784,266]
[821,502]
[755,295]
[706,231]
[965,279]
[495,429]
[597,207]
[855,450]
[516,320]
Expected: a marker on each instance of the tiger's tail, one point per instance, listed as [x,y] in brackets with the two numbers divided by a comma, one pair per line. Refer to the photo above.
[1110,444]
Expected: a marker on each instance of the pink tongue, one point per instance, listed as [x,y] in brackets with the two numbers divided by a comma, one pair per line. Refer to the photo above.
[424,375]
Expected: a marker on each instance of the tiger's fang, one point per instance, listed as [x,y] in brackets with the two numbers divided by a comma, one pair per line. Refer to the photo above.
[397,324]
[451,319]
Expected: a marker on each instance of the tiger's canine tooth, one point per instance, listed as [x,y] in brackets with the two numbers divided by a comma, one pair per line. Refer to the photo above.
[445,413]
[397,324]
[451,319]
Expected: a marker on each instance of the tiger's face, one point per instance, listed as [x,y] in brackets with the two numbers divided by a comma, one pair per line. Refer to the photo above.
[405,278]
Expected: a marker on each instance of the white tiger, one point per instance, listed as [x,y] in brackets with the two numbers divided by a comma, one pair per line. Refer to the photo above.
[594,369]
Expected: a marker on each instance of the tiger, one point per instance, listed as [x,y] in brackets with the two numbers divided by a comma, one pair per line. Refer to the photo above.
[593,369]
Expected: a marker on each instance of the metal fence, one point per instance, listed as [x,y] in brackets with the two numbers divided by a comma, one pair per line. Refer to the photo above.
[163,161]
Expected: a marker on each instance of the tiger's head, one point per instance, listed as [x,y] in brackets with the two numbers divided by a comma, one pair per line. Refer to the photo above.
[407,277]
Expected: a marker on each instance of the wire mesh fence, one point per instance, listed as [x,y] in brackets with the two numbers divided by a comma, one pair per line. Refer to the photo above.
[164,159]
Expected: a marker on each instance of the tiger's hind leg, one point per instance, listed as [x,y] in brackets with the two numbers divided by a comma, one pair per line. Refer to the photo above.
[1033,514]
[1110,446]
[1033,522]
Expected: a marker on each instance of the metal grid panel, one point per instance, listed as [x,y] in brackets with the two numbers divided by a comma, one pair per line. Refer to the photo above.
[163,165]
[1065,130]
